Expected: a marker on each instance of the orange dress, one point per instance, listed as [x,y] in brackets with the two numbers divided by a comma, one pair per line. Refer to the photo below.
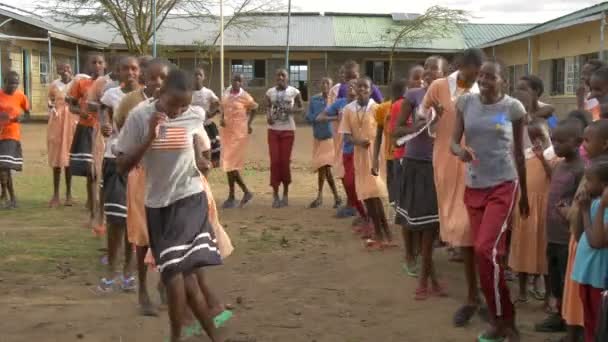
[323,153]
[528,239]
[338,167]
[453,216]
[235,135]
[361,124]
[61,126]
[572,306]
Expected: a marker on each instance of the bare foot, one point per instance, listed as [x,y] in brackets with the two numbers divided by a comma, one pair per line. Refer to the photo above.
[54,202]
[145,306]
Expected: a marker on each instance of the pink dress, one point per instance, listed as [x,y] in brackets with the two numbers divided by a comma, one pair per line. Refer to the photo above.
[235,135]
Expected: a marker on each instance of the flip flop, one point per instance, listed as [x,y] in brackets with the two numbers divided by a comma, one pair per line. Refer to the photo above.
[373,245]
[464,314]
[422,293]
[412,272]
[315,204]
[246,199]
[481,338]
[221,319]
[439,291]
[537,294]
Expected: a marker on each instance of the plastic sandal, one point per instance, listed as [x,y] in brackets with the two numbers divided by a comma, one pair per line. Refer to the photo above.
[221,319]
[464,315]
[439,291]
[480,338]
[373,245]
[412,272]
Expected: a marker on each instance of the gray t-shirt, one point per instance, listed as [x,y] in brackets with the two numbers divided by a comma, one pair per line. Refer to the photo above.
[488,130]
[171,171]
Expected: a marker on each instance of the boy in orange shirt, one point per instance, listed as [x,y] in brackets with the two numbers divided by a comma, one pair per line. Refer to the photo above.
[12,103]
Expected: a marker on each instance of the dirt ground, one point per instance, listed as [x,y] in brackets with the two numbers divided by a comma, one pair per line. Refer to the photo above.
[300,274]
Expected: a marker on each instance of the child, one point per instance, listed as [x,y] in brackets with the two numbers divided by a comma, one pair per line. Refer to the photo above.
[114,189]
[352,72]
[493,127]
[565,179]
[528,237]
[591,265]
[582,93]
[13,103]
[598,87]
[359,128]
[206,99]
[155,74]
[533,85]
[283,102]
[416,208]
[167,136]
[60,132]
[335,113]
[323,145]
[383,116]
[237,115]
[81,152]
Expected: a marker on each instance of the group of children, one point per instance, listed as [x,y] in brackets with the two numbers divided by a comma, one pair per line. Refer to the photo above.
[460,153]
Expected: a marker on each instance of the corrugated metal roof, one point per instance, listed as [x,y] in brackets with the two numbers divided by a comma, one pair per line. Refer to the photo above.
[372,32]
[46,26]
[582,15]
[479,34]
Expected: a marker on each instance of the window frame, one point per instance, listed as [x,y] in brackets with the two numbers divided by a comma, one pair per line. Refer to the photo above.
[372,73]
[44,77]
[558,77]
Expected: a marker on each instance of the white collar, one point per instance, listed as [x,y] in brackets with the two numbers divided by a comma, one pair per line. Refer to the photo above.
[369,105]
[453,84]
[229,92]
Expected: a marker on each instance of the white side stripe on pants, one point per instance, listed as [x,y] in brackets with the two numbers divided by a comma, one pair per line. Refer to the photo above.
[503,229]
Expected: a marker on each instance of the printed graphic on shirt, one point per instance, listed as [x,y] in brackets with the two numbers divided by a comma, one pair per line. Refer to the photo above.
[500,119]
[171,138]
[280,107]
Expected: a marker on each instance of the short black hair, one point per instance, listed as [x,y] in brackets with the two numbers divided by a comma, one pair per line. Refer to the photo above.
[595,64]
[601,126]
[583,116]
[13,73]
[364,79]
[440,59]
[599,167]
[535,83]
[572,126]
[472,57]
[502,70]
[399,86]
[601,73]
[178,80]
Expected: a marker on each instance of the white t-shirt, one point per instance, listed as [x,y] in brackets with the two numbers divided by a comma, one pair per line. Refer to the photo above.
[111,98]
[281,101]
[203,98]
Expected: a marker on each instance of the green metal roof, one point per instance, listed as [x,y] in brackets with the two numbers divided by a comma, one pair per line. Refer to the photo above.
[479,34]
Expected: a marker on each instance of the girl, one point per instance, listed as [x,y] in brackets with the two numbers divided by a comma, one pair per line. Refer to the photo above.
[206,99]
[591,265]
[493,126]
[417,204]
[359,128]
[383,117]
[237,115]
[454,223]
[528,237]
[323,145]
[283,102]
[60,132]
[582,93]
[81,152]
[595,143]
[155,74]
[166,136]
[335,113]
[533,85]
[114,191]
[13,103]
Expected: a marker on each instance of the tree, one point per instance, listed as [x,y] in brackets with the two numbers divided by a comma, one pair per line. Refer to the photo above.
[437,22]
[132,19]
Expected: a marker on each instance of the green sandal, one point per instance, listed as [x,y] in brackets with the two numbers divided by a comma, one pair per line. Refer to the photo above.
[480,338]
[410,271]
[221,319]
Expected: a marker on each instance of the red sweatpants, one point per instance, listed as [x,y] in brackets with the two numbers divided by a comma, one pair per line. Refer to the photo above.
[348,181]
[592,299]
[280,144]
[489,213]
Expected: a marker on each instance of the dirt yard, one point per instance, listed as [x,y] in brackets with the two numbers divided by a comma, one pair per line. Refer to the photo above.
[299,274]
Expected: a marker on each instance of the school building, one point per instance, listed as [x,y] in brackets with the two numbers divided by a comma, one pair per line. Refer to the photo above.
[319,43]
[556,51]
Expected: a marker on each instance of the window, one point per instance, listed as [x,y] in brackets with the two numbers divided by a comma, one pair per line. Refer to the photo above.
[174,61]
[377,71]
[44,68]
[514,73]
[298,77]
[558,69]
[254,71]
